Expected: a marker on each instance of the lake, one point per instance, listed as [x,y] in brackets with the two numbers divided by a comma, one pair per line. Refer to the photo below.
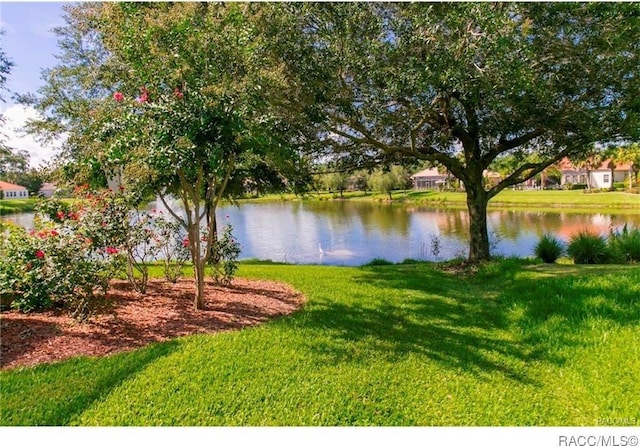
[354,233]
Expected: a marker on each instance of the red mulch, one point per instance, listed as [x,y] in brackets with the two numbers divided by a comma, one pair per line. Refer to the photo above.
[134,320]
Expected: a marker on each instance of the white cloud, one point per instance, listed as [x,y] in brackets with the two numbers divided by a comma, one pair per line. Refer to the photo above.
[15,118]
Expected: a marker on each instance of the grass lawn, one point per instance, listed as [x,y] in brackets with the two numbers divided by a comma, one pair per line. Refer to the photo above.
[17,206]
[569,200]
[515,344]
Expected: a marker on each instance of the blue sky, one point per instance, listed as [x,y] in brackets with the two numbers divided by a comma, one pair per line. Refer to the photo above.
[30,43]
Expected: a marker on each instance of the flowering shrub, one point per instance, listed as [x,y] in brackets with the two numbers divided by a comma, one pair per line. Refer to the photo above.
[173,247]
[54,267]
[225,258]
[109,223]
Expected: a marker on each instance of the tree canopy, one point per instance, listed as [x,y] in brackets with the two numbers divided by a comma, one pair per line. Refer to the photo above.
[463,84]
[178,97]
[235,89]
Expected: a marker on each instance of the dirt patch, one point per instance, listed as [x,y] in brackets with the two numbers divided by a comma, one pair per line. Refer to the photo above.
[134,320]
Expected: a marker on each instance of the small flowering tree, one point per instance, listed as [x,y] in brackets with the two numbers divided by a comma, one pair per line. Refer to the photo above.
[190,112]
[226,250]
[181,97]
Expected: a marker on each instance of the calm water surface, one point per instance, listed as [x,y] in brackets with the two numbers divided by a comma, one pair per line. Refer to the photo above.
[353,233]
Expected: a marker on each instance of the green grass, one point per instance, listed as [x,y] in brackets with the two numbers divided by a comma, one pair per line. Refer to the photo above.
[515,344]
[17,206]
[546,200]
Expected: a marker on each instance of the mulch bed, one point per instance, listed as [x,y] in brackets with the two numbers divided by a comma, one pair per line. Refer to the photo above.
[134,320]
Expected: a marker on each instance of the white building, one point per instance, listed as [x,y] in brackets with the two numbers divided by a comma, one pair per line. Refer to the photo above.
[10,191]
[598,177]
[429,179]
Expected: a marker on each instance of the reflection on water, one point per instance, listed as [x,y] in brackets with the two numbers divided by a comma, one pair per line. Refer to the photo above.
[353,233]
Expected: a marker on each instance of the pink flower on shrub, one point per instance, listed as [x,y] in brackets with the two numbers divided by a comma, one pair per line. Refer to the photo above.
[60,215]
[111,250]
[144,95]
[177,93]
[39,254]
[118,97]
[185,242]
[54,232]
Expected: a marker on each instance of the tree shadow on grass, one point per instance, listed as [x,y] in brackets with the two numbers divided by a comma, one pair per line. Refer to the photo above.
[428,313]
[70,388]
[468,322]
[557,305]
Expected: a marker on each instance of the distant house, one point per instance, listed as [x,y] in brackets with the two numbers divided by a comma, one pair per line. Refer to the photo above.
[10,191]
[47,190]
[429,179]
[599,177]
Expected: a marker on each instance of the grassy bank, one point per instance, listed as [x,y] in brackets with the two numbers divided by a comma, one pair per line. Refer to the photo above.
[17,206]
[570,200]
[514,344]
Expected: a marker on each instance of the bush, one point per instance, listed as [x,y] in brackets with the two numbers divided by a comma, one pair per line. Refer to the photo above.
[549,249]
[54,267]
[626,244]
[620,185]
[588,248]
[174,246]
[578,186]
[224,262]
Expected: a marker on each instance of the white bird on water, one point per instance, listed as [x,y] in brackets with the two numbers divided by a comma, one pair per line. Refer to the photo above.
[335,253]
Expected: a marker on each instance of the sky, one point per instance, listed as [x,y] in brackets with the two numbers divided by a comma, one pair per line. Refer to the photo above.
[30,43]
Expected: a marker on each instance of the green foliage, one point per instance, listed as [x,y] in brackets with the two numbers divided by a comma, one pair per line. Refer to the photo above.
[578,186]
[625,244]
[336,181]
[55,265]
[402,345]
[225,259]
[549,249]
[384,181]
[394,81]
[173,246]
[79,245]
[588,248]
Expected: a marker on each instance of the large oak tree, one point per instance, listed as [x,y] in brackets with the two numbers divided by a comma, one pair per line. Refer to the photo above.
[464,84]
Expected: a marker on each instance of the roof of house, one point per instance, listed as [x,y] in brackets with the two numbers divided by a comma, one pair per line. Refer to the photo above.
[566,164]
[431,172]
[9,186]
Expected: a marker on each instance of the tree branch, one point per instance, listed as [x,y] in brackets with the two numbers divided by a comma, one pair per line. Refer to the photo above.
[171,211]
[533,168]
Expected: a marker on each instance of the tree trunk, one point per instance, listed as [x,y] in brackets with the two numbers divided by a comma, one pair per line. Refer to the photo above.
[198,265]
[199,269]
[477,200]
